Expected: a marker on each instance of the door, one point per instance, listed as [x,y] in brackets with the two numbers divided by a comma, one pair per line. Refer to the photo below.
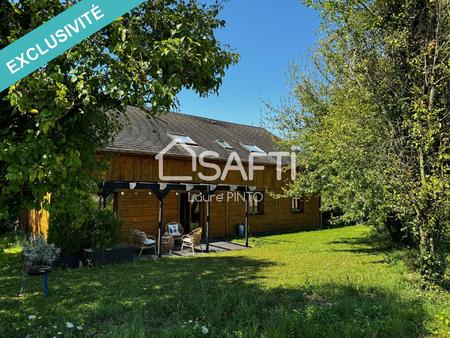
[192,212]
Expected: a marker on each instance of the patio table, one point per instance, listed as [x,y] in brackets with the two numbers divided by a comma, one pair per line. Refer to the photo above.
[167,243]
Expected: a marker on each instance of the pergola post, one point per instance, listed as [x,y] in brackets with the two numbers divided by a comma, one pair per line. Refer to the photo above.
[160,220]
[207,217]
[246,216]
[320,212]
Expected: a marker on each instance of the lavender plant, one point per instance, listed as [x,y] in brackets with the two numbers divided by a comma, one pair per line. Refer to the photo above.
[37,252]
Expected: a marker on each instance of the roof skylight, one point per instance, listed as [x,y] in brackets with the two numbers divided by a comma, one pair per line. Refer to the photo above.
[181,138]
[252,148]
[224,144]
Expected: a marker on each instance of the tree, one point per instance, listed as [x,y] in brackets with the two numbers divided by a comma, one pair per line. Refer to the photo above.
[52,121]
[372,121]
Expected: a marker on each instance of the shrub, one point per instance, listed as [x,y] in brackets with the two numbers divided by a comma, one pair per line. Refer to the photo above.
[80,224]
[102,229]
[66,229]
[5,227]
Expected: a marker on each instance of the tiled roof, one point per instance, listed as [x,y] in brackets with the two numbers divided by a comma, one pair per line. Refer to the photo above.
[142,134]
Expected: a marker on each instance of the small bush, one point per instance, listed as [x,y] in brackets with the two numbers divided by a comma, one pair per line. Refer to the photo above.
[82,225]
[5,227]
[66,229]
[102,229]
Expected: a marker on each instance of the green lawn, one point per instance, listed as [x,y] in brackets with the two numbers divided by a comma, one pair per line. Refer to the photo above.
[330,283]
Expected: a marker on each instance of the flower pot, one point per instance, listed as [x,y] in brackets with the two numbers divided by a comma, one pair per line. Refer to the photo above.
[38,270]
[109,256]
[71,262]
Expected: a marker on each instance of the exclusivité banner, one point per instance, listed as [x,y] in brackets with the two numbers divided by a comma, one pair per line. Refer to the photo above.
[56,36]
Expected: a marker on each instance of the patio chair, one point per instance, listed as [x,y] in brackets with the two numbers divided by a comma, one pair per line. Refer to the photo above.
[192,240]
[144,241]
[175,230]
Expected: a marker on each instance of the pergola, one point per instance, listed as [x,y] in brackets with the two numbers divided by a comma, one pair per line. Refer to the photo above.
[162,189]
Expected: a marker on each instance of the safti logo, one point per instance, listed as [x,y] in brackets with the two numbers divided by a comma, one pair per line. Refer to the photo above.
[205,160]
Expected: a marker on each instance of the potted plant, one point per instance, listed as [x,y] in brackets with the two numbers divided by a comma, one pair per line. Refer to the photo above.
[39,255]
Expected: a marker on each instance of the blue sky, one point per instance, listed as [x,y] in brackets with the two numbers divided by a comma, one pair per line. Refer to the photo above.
[268,35]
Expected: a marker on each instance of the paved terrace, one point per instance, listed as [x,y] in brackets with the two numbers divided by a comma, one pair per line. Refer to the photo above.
[215,246]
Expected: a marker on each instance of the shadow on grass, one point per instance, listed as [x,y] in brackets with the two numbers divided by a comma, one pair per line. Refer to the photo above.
[378,243]
[265,236]
[372,243]
[225,294]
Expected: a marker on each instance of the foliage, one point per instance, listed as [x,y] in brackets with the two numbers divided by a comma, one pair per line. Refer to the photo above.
[338,283]
[52,121]
[37,252]
[371,120]
[5,226]
[102,229]
[85,226]
[68,215]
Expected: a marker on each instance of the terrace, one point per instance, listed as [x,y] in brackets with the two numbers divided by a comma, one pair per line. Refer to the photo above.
[160,190]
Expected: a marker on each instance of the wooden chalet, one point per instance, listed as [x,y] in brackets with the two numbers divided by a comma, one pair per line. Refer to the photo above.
[134,189]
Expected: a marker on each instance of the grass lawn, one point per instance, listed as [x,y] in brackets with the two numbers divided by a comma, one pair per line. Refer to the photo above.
[330,283]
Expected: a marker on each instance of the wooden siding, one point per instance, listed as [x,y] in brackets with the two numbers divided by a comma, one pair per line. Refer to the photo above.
[38,220]
[35,221]
[138,209]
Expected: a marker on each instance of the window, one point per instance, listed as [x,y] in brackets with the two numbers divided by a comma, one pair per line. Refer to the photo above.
[182,138]
[110,203]
[224,145]
[256,203]
[298,204]
[252,148]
